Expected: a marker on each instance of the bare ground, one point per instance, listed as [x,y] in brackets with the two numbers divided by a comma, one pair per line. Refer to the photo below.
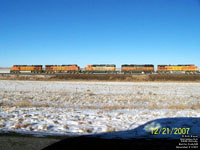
[13,141]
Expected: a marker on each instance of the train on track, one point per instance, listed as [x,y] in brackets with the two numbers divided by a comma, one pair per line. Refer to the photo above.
[104,68]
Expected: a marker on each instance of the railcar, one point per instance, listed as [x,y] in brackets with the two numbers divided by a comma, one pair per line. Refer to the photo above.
[71,68]
[26,69]
[101,68]
[177,69]
[133,68]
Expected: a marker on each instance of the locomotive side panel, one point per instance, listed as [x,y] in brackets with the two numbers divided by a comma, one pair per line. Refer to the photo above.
[26,69]
[100,69]
[177,69]
[137,68]
[62,69]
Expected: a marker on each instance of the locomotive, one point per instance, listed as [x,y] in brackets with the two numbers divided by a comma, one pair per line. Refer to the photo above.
[137,69]
[188,69]
[104,68]
[26,69]
[49,69]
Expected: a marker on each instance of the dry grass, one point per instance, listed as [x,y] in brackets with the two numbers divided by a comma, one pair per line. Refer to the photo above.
[173,106]
[196,107]
[111,129]
[151,106]
[180,106]
[106,77]
[174,77]
[109,107]
[24,103]
[137,97]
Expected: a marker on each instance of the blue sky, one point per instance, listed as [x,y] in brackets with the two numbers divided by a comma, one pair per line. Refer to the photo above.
[99,32]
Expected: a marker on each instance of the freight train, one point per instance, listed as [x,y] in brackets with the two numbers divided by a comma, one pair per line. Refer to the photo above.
[104,68]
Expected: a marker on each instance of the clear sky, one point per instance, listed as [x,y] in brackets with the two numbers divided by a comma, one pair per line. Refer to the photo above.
[99,32]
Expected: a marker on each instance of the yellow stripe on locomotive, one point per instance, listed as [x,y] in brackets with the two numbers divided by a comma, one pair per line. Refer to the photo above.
[184,68]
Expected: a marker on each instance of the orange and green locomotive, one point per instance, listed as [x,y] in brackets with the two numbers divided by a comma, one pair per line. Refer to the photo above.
[177,69]
[102,68]
[133,68]
[26,69]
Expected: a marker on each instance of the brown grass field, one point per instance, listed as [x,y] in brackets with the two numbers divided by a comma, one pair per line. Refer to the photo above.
[105,77]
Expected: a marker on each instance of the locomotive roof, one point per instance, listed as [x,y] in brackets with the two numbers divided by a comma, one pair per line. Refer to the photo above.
[61,65]
[135,65]
[177,65]
[27,65]
[104,65]
[69,65]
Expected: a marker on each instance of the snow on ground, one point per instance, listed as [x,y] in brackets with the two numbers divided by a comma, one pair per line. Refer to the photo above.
[76,108]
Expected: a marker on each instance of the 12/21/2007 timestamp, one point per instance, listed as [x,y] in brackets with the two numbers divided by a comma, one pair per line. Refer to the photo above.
[170,131]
